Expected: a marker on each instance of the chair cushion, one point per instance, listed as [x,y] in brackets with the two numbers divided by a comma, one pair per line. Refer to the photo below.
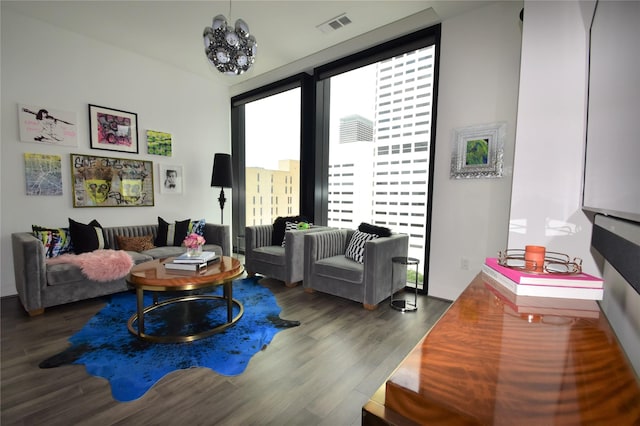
[56,241]
[340,268]
[135,243]
[162,252]
[279,225]
[355,249]
[380,231]
[86,238]
[273,255]
[289,226]
[197,227]
[139,257]
[171,234]
[64,273]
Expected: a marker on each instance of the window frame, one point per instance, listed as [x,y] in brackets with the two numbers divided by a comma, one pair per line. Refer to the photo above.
[314,128]
[303,81]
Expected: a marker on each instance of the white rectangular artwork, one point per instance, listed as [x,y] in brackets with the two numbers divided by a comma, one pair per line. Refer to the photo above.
[170,179]
[47,126]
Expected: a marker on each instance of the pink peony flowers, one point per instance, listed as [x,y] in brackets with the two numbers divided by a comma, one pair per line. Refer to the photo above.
[193,241]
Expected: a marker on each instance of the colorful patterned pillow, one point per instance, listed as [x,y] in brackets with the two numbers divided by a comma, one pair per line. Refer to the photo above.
[355,249]
[135,243]
[197,226]
[288,226]
[56,241]
[87,237]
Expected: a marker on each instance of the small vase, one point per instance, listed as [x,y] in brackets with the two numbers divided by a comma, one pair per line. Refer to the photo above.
[195,251]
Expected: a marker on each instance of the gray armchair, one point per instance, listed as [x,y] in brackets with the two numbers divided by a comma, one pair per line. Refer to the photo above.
[282,263]
[328,270]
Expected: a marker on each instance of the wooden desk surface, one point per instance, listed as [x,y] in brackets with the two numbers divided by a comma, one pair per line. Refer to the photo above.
[486,362]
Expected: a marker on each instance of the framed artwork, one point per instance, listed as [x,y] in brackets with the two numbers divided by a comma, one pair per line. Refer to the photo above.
[158,143]
[111,182]
[113,130]
[43,174]
[47,126]
[478,151]
[170,179]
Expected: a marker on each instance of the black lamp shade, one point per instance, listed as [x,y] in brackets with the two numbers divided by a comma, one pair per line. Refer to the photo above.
[222,175]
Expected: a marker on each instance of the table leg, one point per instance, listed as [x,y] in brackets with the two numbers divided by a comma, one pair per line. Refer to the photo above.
[140,300]
[415,296]
[228,294]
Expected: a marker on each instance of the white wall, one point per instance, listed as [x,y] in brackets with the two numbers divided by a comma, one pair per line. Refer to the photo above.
[479,71]
[549,157]
[48,66]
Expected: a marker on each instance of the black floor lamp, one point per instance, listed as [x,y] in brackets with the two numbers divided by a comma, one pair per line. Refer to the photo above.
[222,176]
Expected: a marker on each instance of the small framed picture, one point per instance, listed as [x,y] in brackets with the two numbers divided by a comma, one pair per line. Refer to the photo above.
[170,179]
[113,130]
[478,151]
[159,143]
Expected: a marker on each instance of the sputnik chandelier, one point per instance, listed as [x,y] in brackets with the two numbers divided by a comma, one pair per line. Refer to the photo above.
[231,50]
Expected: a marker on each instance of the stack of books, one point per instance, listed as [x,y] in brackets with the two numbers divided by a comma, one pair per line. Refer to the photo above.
[523,305]
[192,263]
[566,286]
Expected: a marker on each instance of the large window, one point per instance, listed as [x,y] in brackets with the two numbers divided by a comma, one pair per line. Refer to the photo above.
[366,135]
[269,130]
[272,157]
[380,125]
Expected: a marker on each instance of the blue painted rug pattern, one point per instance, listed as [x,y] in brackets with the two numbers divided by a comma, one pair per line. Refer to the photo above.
[109,350]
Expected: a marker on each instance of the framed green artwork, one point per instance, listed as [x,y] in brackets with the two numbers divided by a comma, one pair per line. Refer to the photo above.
[159,143]
[478,151]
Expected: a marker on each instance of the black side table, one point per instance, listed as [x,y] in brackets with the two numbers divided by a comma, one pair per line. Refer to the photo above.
[403,305]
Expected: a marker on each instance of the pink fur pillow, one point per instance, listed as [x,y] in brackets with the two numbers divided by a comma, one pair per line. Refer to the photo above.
[98,265]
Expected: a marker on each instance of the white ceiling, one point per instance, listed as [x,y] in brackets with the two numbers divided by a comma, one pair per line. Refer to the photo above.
[171,31]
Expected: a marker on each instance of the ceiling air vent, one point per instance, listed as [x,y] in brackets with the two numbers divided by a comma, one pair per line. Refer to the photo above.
[334,23]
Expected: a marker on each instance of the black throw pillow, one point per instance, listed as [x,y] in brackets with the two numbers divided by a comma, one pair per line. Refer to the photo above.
[171,234]
[88,237]
[279,227]
[380,231]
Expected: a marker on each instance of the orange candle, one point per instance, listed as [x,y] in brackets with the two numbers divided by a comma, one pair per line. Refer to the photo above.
[534,258]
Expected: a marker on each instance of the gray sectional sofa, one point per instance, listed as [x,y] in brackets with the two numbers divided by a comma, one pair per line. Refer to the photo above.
[40,285]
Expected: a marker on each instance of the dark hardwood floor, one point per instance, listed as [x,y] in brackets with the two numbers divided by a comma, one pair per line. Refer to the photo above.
[320,373]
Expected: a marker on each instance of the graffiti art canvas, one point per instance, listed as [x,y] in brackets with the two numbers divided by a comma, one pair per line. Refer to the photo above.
[43,174]
[111,182]
[45,125]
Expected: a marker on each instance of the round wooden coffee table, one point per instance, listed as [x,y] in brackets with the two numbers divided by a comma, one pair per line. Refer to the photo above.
[153,276]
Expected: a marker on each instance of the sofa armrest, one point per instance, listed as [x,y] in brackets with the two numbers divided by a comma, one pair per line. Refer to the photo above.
[257,236]
[30,269]
[254,237]
[378,266]
[294,252]
[220,235]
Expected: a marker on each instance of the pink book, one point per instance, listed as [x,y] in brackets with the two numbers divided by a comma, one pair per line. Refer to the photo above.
[581,280]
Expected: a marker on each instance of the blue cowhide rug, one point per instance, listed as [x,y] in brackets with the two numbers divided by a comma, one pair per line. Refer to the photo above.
[107,348]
